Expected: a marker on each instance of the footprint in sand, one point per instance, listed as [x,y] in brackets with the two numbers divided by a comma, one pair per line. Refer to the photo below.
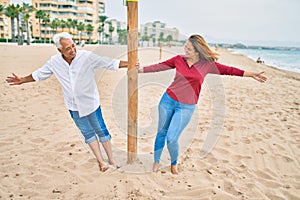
[228,187]
[70,165]
[279,147]
[286,158]
[39,178]
[37,140]
[239,158]
[222,151]
[257,139]
[245,140]
[263,175]
[261,151]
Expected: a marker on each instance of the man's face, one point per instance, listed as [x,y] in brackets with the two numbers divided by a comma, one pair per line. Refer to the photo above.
[68,49]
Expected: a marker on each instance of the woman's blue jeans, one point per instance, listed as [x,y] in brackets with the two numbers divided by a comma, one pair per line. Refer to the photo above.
[173,118]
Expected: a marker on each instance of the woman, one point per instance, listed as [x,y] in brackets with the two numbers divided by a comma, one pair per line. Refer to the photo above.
[179,101]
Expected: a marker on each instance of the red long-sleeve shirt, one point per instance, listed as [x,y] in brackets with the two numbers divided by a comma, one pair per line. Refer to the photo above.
[187,83]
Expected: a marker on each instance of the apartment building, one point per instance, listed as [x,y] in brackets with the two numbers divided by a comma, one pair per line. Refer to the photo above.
[86,11]
[157,29]
[117,25]
[5,24]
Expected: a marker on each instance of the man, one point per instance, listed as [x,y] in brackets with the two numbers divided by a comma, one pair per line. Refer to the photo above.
[74,69]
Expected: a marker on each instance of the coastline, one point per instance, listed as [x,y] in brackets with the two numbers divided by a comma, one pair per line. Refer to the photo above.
[285,59]
[255,155]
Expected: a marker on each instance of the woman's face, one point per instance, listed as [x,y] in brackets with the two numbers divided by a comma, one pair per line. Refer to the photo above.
[189,50]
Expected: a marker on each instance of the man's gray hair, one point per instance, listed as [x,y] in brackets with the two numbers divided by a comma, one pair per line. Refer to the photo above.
[57,37]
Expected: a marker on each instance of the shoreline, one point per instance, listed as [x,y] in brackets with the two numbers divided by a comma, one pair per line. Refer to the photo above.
[270,61]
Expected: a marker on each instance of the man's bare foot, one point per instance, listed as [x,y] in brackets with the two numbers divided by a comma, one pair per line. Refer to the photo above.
[174,169]
[155,166]
[113,163]
[103,167]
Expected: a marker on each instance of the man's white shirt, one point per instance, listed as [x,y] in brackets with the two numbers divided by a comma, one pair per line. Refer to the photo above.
[77,79]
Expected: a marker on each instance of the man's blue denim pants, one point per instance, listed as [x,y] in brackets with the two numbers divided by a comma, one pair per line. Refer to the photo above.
[91,125]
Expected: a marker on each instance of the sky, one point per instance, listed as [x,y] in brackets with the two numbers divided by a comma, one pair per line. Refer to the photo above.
[251,22]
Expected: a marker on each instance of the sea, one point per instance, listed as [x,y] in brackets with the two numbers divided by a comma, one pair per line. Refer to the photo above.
[283,59]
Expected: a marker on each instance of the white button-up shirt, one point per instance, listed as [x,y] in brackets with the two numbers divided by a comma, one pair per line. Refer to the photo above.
[77,79]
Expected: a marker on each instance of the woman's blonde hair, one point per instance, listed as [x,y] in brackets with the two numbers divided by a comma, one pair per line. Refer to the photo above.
[200,46]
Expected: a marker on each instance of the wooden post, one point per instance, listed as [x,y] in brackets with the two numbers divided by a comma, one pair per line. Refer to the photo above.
[160,51]
[132,48]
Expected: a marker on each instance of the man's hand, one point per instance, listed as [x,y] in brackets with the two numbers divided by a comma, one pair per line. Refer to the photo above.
[14,80]
[17,80]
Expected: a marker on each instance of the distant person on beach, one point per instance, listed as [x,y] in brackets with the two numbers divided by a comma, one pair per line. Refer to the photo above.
[74,69]
[179,101]
[82,43]
[259,60]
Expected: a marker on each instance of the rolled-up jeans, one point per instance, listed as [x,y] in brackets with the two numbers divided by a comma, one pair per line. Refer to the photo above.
[91,125]
[173,118]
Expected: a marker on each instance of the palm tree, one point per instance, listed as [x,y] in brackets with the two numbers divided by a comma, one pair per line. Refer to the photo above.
[26,19]
[90,29]
[69,24]
[40,15]
[161,38]
[46,20]
[153,40]
[11,12]
[18,12]
[169,39]
[111,30]
[100,30]
[145,38]
[63,24]
[26,10]
[122,33]
[80,28]
[74,25]
[1,8]
[55,24]
[102,19]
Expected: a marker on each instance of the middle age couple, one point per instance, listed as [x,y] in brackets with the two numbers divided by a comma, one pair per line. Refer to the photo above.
[175,107]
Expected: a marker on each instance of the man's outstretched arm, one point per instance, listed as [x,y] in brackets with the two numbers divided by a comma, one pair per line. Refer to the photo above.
[17,80]
[123,64]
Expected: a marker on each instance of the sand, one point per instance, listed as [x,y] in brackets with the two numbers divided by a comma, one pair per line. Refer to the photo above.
[242,143]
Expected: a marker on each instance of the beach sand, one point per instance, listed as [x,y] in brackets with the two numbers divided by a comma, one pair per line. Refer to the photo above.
[242,143]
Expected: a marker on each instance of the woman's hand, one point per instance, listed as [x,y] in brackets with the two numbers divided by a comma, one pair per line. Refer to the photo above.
[259,77]
[140,69]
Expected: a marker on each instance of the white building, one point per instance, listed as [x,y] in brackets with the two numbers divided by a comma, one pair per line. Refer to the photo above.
[117,25]
[157,30]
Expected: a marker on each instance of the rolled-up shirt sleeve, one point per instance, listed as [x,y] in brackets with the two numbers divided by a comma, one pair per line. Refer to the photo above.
[104,62]
[42,73]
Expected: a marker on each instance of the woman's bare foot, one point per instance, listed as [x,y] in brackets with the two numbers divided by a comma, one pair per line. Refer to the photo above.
[155,166]
[113,163]
[174,169]
[103,167]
